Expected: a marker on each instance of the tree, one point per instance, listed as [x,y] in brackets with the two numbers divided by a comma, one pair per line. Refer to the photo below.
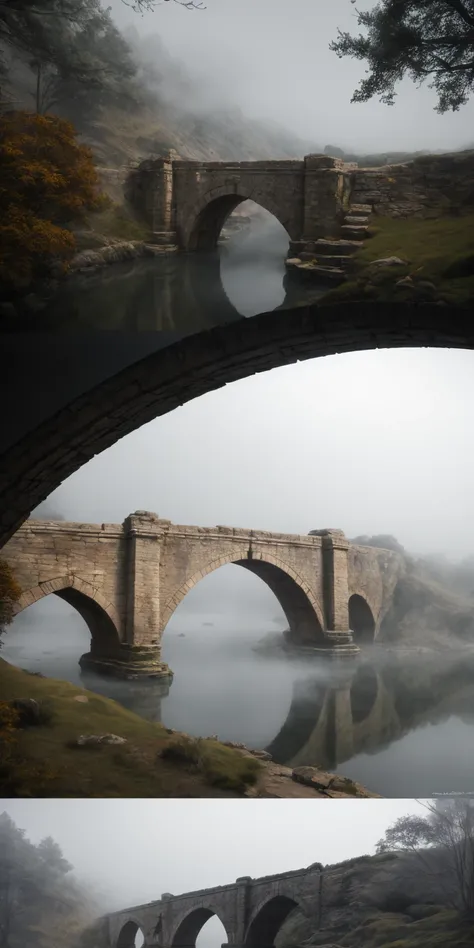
[40,906]
[418,38]
[10,592]
[143,6]
[440,846]
[47,181]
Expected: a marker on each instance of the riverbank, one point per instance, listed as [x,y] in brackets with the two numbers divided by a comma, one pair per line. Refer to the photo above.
[50,746]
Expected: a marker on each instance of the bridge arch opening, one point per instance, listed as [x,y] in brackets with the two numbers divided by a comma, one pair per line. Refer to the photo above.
[73,427]
[264,928]
[361,620]
[302,611]
[130,936]
[98,616]
[200,929]
[211,216]
[47,637]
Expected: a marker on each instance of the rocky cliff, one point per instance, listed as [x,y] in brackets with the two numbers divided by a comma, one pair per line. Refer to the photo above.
[365,903]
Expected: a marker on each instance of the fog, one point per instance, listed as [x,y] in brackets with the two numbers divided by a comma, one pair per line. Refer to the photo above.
[369,442]
[131,851]
[271,60]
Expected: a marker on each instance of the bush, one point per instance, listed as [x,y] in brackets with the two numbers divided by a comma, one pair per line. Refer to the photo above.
[221,766]
[10,591]
[47,181]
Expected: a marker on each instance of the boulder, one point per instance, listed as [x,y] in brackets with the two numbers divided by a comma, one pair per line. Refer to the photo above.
[86,740]
[389,262]
[28,709]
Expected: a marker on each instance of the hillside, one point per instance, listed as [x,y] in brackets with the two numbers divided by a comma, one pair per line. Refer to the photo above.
[378,909]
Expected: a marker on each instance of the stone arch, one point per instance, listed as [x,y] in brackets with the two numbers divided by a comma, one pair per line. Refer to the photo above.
[361,619]
[100,616]
[188,928]
[128,933]
[78,427]
[208,215]
[267,921]
[303,611]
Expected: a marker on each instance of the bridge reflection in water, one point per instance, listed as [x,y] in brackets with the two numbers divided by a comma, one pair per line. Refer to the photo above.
[177,295]
[348,711]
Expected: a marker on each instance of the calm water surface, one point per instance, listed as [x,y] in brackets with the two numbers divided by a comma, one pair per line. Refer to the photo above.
[180,294]
[404,727]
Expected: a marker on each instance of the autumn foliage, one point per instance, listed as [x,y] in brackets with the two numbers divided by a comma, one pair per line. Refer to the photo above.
[47,180]
[10,592]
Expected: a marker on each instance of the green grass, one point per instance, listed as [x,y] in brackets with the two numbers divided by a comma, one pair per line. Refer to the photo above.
[439,250]
[44,761]
[212,760]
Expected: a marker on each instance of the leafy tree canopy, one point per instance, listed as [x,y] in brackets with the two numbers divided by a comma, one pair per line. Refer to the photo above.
[47,180]
[40,905]
[419,38]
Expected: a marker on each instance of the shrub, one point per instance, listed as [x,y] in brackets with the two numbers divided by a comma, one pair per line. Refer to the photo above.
[220,766]
[47,181]
[10,592]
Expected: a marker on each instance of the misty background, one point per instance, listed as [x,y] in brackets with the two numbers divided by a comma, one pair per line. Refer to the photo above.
[131,851]
[271,61]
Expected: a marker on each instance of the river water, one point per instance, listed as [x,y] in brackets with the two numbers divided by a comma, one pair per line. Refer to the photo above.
[403,726]
[179,294]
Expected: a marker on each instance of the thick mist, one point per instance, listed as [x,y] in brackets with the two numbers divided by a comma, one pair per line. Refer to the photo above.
[271,61]
[131,851]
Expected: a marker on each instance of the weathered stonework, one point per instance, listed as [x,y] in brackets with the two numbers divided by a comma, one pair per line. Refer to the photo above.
[189,201]
[429,186]
[127,579]
[75,427]
[252,911]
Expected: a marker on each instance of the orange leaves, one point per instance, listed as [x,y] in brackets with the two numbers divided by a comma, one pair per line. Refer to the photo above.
[48,179]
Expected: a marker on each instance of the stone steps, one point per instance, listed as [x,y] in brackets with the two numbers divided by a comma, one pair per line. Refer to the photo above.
[356,221]
[328,260]
[354,231]
[361,209]
[332,246]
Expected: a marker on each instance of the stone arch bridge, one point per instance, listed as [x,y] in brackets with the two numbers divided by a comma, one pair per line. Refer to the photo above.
[187,202]
[127,579]
[252,911]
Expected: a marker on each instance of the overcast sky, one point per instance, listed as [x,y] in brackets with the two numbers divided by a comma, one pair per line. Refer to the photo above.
[369,442]
[134,850]
[271,59]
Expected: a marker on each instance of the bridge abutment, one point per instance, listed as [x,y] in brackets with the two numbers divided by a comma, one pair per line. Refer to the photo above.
[325,189]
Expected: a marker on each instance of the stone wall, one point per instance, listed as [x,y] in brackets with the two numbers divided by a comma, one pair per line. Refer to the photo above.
[427,187]
[257,912]
[373,574]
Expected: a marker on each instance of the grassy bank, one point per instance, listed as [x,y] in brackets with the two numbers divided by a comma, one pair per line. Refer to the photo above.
[440,252]
[43,759]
